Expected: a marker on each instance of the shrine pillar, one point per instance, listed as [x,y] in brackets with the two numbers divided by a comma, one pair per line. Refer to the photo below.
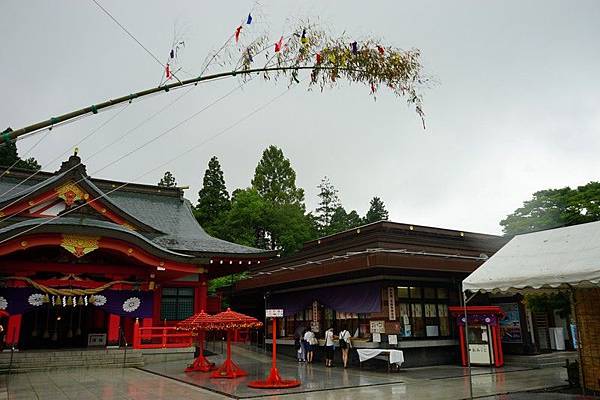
[114,323]
[13,330]
[202,294]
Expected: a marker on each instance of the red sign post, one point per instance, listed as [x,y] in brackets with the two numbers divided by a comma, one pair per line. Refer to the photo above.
[274,380]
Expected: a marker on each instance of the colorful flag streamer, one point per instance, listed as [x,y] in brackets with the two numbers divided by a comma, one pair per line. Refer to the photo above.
[172,53]
[237,33]
[278,45]
[249,20]
[380,49]
[319,58]
[250,56]
[168,71]
[354,47]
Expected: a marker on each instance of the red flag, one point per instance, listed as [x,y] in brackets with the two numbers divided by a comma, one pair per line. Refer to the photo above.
[237,33]
[372,88]
[318,58]
[168,71]
[381,50]
[278,45]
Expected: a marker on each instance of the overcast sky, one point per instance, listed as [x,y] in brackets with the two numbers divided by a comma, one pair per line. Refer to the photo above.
[515,109]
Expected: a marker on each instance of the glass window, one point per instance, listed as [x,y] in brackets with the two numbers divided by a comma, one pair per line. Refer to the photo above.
[415,292]
[418,323]
[444,320]
[442,293]
[177,303]
[429,293]
[402,292]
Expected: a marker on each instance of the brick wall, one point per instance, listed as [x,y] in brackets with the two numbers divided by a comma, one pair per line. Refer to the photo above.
[587,308]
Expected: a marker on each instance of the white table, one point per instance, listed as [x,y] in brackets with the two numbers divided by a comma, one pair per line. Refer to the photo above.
[393,356]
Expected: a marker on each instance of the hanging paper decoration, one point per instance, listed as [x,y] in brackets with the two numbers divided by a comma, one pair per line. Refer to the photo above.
[354,47]
[237,33]
[85,300]
[64,301]
[249,20]
[303,38]
[172,53]
[380,49]
[278,45]
[168,71]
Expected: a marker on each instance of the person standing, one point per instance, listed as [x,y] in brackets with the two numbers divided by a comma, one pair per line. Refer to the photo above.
[311,340]
[345,345]
[329,347]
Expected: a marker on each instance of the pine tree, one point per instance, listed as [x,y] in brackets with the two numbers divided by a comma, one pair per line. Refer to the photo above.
[275,179]
[9,156]
[377,211]
[329,203]
[168,180]
[213,198]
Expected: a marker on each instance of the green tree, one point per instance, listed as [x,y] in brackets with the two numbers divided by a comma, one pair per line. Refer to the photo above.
[377,211]
[168,180]
[288,227]
[213,198]
[328,204]
[275,179]
[342,221]
[9,156]
[244,223]
[553,208]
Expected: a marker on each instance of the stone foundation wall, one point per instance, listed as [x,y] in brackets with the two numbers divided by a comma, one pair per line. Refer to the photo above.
[587,309]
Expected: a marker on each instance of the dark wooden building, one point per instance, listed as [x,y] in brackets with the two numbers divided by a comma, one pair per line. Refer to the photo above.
[385,278]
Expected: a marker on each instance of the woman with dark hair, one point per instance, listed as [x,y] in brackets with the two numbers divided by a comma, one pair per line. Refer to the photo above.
[345,345]
[329,347]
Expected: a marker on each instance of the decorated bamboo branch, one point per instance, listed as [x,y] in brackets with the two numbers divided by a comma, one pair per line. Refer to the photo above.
[325,61]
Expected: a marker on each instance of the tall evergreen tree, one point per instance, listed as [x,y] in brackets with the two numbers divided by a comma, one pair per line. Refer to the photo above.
[377,211]
[213,198]
[328,204]
[275,179]
[168,180]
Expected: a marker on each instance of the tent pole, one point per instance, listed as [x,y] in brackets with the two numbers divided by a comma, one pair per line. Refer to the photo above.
[464,301]
[579,353]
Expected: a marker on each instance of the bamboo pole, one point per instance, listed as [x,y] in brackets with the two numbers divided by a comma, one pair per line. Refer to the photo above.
[8,134]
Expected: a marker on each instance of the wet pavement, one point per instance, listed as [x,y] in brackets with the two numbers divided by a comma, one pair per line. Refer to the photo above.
[167,381]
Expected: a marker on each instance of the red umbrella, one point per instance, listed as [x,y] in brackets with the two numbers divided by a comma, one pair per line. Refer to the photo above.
[230,321]
[198,323]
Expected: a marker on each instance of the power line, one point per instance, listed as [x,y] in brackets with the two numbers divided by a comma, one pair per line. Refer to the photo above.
[63,154]
[129,33]
[141,146]
[223,131]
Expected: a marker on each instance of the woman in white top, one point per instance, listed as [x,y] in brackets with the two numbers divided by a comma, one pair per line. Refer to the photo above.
[329,343]
[309,338]
[345,345]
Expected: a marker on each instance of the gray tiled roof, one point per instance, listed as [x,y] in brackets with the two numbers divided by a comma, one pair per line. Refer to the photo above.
[170,215]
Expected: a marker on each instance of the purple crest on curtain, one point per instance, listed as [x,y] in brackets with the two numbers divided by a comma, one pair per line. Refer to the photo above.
[127,303]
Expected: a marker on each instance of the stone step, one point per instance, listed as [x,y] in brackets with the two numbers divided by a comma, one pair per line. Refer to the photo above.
[25,361]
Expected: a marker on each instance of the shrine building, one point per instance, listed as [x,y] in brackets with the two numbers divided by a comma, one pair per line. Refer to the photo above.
[81,259]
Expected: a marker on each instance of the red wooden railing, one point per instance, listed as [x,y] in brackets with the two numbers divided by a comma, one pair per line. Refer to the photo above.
[160,337]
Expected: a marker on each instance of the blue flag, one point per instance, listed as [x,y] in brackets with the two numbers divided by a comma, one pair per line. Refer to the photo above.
[249,20]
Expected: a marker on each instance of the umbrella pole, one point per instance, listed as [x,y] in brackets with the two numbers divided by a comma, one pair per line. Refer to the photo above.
[201,363]
[229,369]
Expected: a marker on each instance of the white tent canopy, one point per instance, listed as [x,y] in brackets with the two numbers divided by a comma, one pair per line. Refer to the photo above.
[548,259]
